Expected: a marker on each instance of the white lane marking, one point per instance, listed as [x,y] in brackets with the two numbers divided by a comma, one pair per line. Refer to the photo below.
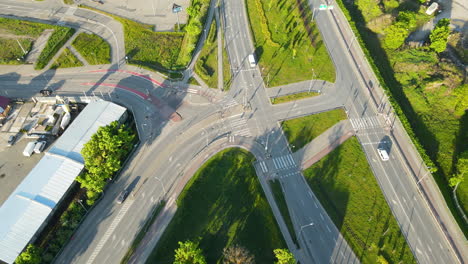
[109,231]
[321,216]
[315,203]
[328,228]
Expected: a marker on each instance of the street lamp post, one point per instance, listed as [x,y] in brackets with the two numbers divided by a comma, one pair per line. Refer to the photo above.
[80,202]
[304,226]
[425,175]
[311,81]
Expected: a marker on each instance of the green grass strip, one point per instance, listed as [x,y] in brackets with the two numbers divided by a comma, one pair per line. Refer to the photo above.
[287,45]
[11,52]
[283,207]
[349,192]
[207,63]
[300,131]
[223,204]
[23,28]
[226,67]
[55,42]
[292,97]
[144,47]
[93,48]
[66,60]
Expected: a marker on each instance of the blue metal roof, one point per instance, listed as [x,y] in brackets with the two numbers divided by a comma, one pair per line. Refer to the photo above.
[26,209]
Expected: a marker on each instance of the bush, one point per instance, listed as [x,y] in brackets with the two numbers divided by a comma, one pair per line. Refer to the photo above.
[439,35]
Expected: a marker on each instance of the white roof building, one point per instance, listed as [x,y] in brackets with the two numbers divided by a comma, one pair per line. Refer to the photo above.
[25,211]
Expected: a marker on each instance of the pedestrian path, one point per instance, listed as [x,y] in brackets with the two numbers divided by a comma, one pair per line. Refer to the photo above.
[365,122]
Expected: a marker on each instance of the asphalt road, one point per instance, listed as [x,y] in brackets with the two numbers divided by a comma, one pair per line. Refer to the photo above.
[167,147]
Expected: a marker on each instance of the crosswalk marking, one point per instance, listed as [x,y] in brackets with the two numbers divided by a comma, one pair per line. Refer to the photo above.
[284,162]
[263,166]
[365,122]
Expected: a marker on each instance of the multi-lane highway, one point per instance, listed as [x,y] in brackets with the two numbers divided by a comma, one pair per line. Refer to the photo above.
[244,112]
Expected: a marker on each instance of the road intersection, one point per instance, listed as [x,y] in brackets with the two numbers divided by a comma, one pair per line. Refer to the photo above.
[242,114]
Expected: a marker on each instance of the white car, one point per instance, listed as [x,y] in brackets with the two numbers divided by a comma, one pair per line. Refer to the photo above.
[383,154]
[252,61]
[39,147]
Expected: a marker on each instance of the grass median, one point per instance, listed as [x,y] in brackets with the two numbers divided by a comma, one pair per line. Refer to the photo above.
[93,48]
[289,48]
[66,60]
[207,63]
[25,32]
[223,204]
[11,52]
[283,207]
[144,47]
[300,131]
[349,192]
[292,97]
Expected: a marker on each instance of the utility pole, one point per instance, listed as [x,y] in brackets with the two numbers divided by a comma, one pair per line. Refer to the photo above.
[311,81]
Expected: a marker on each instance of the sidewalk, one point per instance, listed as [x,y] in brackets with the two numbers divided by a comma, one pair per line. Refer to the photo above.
[323,144]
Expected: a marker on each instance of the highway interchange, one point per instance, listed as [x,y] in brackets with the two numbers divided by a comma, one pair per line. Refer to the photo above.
[244,117]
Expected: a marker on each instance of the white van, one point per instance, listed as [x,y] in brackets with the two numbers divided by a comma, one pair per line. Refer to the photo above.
[383,154]
[39,146]
[28,150]
[252,61]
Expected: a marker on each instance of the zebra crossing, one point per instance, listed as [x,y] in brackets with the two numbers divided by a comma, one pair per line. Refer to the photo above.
[284,162]
[239,127]
[263,166]
[227,102]
[365,122]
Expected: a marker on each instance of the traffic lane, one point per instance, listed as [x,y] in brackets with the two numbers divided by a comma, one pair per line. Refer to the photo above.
[304,107]
[409,206]
[412,202]
[313,223]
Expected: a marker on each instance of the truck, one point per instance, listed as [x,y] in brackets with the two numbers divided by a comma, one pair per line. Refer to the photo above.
[29,149]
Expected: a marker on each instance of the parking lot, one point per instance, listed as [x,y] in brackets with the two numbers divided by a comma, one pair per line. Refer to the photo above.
[37,119]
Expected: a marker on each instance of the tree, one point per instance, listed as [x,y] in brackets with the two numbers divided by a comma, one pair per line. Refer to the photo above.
[439,35]
[462,168]
[103,154]
[32,255]
[284,256]
[381,260]
[408,18]
[395,35]
[189,253]
[237,255]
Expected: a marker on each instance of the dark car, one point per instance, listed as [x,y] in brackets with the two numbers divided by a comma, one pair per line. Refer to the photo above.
[45,92]
[11,140]
[122,196]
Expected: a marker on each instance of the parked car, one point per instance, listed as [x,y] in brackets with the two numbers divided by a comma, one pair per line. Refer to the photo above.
[29,149]
[11,140]
[122,196]
[45,92]
[39,146]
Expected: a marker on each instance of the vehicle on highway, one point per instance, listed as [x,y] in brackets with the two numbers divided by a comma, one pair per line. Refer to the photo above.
[383,154]
[252,60]
[45,92]
[11,140]
[29,149]
[122,196]
[39,147]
